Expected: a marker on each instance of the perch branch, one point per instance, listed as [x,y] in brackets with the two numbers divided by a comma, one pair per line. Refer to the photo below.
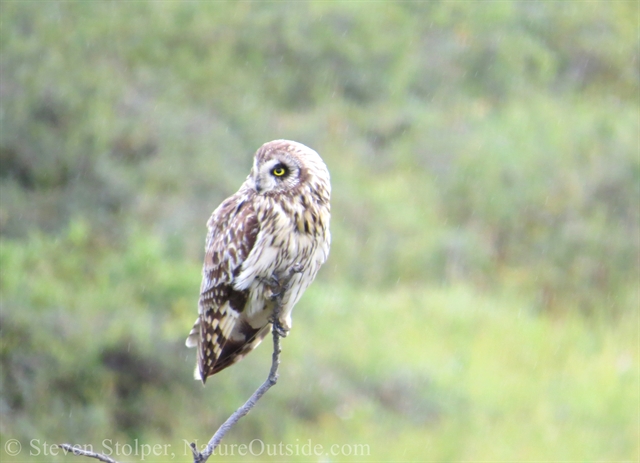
[278,285]
[85,453]
[201,457]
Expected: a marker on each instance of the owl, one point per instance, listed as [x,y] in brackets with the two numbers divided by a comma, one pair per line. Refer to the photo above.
[276,224]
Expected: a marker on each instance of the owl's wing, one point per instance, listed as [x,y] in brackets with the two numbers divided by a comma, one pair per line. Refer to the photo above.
[233,228]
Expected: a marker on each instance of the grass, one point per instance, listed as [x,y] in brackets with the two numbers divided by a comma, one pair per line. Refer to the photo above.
[408,372]
[494,381]
[449,374]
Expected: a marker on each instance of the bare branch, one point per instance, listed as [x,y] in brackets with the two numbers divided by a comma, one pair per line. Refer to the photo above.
[201,457]
[279,286]
[80,451]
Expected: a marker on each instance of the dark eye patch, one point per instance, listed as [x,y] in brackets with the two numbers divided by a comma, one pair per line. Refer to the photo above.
[280,170]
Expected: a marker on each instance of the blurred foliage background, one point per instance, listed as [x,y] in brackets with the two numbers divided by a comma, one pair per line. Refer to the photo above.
[481,299]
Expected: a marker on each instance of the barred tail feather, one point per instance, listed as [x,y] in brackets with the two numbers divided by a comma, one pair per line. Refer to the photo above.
[194,335]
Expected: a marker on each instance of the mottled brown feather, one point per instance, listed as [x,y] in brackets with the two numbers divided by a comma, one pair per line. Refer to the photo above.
[223,259]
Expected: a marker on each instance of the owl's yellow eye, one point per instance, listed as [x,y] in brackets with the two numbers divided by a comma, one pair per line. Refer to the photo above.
[279,171]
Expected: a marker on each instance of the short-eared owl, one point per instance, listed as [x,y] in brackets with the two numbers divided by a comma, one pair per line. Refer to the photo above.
[277,221]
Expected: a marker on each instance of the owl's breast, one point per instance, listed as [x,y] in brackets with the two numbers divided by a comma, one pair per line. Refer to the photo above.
[309,233]
[290,234]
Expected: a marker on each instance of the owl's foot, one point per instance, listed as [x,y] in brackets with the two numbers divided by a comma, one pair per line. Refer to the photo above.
[278,284]
[279,329]
[296,268]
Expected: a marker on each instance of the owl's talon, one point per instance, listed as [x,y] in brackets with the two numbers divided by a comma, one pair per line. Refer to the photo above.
[279,329]
[273,296]
[278,284]
[274,287]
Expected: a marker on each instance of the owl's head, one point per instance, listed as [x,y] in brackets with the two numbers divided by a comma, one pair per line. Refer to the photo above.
[283,166]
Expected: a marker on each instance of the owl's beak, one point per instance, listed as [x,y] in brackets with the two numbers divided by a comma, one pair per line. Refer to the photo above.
[256,184]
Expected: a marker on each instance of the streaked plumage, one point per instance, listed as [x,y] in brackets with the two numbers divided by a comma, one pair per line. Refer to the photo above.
[278,219]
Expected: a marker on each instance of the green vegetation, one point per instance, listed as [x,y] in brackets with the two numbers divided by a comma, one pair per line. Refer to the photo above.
[481,299]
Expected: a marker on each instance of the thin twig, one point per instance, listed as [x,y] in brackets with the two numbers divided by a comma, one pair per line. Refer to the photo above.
[86,453]
[201,457]
[279,286]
